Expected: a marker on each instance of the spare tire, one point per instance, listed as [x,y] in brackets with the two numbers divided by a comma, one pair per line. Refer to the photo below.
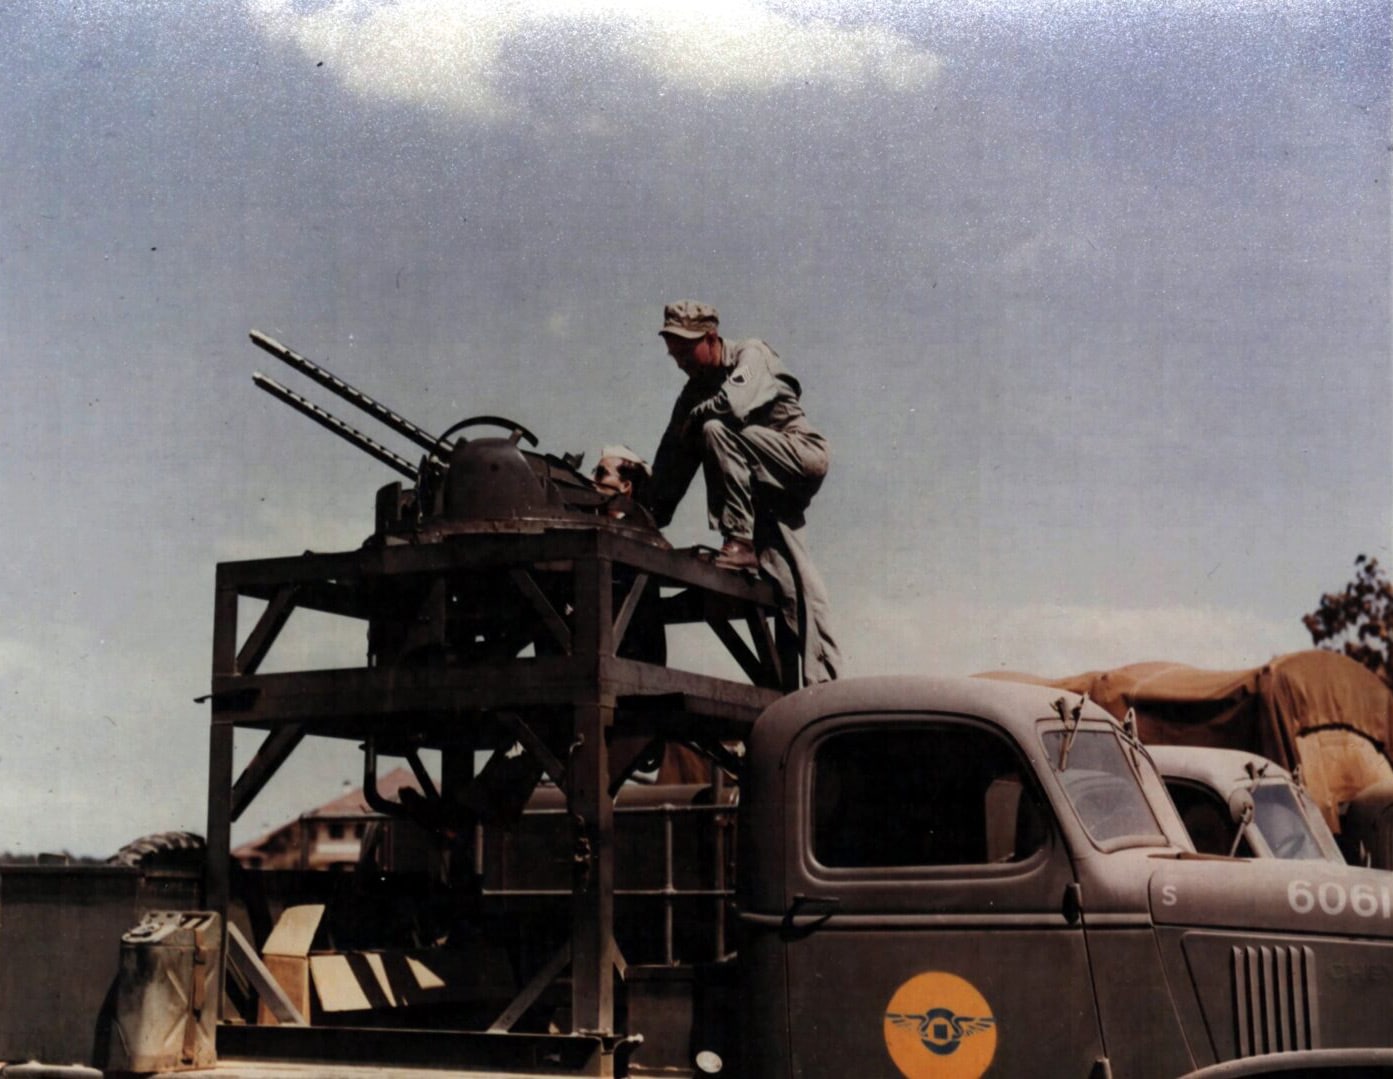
[162,850]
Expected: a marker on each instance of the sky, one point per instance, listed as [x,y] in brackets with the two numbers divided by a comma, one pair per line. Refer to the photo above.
[1090,297]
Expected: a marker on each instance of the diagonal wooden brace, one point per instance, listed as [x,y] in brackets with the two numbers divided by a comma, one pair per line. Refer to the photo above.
[763,637]
[418,769]
[267,629]
[274,751]
[623,767]
[550,971]
[739,650]
[519,729]
[630,605]
[542,605]
[240,952]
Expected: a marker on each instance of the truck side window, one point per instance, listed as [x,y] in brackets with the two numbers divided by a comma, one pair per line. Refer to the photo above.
[1206,818]
[949,795]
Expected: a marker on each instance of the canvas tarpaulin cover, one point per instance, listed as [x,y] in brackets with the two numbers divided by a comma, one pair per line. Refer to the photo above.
[1317,711]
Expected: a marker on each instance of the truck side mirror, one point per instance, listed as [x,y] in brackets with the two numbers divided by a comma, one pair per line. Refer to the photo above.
[1241,806]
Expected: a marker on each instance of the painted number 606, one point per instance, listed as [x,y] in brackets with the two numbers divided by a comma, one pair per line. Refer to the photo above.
[1333,898]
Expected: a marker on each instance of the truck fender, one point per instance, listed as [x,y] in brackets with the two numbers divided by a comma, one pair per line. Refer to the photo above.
[1305,1062]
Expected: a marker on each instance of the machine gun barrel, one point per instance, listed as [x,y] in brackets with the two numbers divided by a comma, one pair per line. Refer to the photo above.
[333,423]
[333,383]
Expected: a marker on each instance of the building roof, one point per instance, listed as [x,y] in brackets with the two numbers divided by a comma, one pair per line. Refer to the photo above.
[351,805]
[354,804]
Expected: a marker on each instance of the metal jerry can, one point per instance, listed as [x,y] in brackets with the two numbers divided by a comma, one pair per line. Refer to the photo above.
[166,999]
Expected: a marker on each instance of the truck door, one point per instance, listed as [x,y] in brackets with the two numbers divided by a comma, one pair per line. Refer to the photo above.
[932,928]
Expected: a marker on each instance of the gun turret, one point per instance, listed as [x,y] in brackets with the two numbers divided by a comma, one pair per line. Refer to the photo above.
[458,481]
[467,482]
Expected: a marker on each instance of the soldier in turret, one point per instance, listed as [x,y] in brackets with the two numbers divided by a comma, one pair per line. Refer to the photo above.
[622,474]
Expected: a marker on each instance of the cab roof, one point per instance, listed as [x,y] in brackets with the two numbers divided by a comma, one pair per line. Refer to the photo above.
[1217,768]
[1014,706]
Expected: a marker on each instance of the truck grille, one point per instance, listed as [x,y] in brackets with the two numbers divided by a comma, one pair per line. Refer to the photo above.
[1274,999]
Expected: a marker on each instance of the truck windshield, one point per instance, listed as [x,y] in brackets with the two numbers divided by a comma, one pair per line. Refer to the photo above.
[1282,824]
[1101,784]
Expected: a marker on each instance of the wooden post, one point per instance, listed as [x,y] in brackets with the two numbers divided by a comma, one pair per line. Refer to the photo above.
[217,872]
[592,809]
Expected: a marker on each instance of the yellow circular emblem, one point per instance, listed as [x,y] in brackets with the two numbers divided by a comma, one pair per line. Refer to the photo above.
[937,1026]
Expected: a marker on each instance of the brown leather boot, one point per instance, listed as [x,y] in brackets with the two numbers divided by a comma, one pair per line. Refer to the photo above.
[737,553]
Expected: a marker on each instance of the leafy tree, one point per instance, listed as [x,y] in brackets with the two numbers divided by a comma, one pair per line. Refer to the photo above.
[1358,621]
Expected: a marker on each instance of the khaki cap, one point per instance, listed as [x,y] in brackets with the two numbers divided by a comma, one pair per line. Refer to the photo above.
[689,319]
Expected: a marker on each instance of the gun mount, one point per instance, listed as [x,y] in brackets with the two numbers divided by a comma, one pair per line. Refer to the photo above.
[460,484]
[517,624]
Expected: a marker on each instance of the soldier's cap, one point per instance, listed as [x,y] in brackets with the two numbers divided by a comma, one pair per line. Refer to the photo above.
[689,319]
[623,453]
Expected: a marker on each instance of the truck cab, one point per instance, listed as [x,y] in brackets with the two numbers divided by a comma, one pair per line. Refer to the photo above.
[1235,802]
[944,876]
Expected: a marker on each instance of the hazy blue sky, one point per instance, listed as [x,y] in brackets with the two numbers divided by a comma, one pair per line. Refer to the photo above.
[1091,298]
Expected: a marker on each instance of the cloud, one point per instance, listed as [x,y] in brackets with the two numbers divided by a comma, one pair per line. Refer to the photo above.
[736,46]
[456,55]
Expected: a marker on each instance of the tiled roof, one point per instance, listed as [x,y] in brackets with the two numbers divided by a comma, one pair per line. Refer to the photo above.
[353,804]
[349,806]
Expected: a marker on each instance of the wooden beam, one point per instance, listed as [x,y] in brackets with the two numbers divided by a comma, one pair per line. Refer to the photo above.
[497,550]
[240,951]
[630,605]
[555,624]
[534,745]
[267,629]
[592,881]
[740,651]
[551,970]
[760,633]
[273,752]
[353,703]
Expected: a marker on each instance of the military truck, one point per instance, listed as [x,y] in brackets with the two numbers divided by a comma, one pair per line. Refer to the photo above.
[1320,715]
[1241,804]
[941,877]
[883,877]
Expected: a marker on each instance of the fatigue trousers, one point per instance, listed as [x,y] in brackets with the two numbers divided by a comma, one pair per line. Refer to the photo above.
[790,465]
